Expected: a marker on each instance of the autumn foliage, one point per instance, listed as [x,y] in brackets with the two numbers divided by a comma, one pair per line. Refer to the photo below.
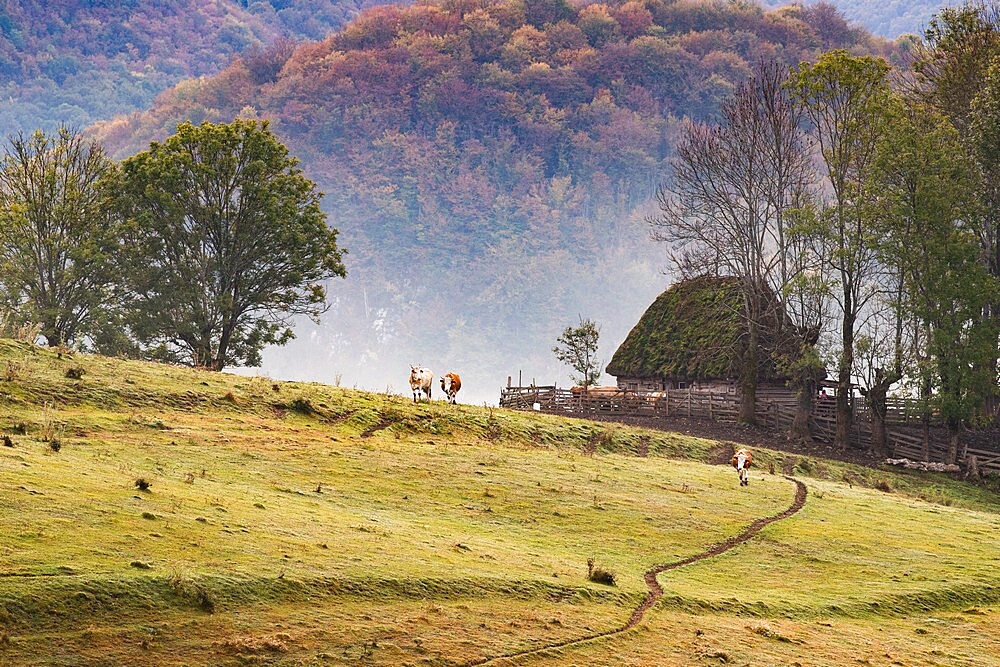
[513,136]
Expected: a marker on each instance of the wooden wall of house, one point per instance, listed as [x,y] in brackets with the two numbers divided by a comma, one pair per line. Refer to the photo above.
[770,390]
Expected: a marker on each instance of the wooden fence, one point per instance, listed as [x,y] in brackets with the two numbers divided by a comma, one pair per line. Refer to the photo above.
[905,426]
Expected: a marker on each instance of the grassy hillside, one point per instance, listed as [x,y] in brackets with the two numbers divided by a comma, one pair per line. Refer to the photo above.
[302,524]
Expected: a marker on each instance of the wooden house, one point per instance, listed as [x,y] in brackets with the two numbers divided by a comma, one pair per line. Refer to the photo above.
[693,336]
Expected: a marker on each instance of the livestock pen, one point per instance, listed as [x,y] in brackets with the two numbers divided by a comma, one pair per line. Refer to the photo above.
[912,432]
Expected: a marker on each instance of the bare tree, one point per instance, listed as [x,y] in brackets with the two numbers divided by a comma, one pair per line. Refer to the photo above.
[725,212]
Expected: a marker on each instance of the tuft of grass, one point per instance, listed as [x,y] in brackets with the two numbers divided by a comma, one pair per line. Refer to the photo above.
[254,645]
[12,370]
[75,372]
[600,575]
[492,431]
[192,591]
[143,484]
[303,406]
[765,630]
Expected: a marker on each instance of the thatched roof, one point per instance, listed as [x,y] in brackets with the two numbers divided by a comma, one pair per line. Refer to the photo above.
[694,331]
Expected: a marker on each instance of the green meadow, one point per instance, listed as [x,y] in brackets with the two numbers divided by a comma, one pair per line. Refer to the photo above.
[156,515]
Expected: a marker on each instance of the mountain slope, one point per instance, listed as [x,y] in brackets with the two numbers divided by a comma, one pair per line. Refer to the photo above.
[76,62]
[291,523]
[489,165]
[891,18]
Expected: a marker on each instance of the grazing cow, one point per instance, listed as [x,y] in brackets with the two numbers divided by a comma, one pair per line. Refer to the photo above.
[450,384]
[420,381]
[742,460]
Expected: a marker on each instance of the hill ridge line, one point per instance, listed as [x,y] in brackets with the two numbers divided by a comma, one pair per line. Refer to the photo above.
[655,590]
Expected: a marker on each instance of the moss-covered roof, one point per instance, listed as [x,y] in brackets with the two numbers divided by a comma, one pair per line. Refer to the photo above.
[695,331]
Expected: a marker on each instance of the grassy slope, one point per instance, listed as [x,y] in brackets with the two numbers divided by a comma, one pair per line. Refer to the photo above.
[293,523]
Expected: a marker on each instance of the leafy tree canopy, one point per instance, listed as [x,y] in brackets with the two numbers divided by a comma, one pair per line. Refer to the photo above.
[225,243]
[56,232]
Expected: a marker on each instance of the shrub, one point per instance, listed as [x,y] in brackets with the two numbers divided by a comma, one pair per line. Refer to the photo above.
[142,484]
[599,575]
[642,449]
[492,432]
[11,371]
[192,591]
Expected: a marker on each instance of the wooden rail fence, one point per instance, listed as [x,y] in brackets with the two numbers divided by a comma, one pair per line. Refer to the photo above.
[904,421]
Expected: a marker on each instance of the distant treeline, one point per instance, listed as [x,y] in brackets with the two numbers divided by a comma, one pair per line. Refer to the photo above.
[72,63]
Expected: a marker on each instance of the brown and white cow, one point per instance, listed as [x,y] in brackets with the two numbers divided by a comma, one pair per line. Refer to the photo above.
[421,380]
[742,460]
[450,384]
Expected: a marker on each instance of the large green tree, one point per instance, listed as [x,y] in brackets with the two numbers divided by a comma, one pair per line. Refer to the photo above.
[225,244]
[958,72]
[55,232]
[929,186]
[846,98]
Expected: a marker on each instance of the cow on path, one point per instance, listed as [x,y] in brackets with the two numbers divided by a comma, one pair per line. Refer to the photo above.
[742,460]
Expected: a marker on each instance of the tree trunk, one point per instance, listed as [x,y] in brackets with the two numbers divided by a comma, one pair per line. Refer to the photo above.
[925,418]
[748,399]
[844,412]
[877,402]
[953,433]
[801,430]
[748,404]
[880,438]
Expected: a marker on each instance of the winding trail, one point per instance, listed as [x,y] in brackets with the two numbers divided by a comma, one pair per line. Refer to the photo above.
[655,590]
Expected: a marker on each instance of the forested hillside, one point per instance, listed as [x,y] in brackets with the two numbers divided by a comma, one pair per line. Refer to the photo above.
[76,62]
[490,164]
[891,18]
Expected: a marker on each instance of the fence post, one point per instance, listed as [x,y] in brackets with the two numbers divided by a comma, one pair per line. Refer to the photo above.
[689,402]
[710,414]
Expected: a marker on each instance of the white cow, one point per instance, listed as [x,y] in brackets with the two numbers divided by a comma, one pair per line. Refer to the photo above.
[420,381]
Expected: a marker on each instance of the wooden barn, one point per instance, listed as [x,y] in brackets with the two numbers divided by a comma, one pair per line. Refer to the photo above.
[692,337]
